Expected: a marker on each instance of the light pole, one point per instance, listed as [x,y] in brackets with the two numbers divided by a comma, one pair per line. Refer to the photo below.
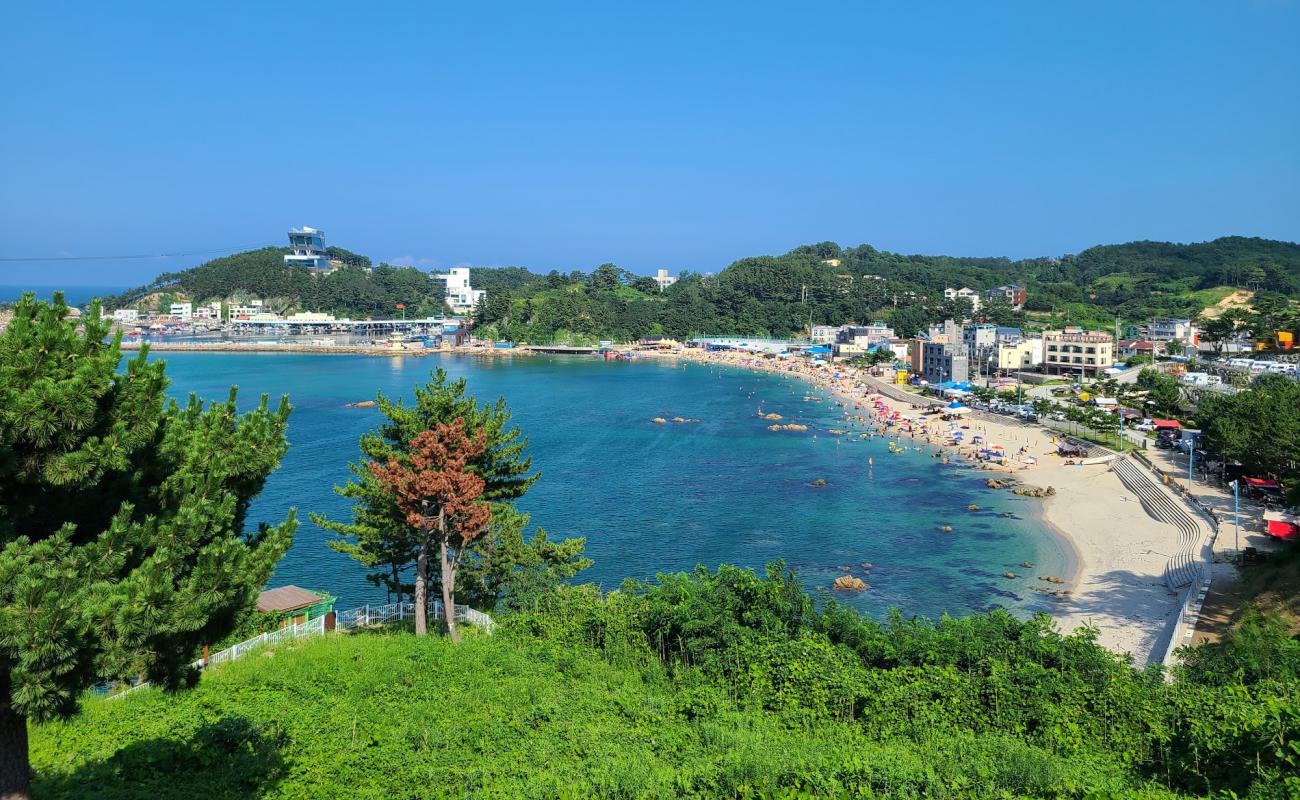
[1191,459]
[1236,518]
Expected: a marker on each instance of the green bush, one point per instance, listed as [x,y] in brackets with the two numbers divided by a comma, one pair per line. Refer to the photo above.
[709,684]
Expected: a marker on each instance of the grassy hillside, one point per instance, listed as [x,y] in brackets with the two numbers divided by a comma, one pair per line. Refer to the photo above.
[716,684]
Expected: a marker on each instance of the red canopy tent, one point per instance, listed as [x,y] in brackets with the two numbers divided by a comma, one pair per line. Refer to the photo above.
[1283,526]
[1262,483]
[1166,423]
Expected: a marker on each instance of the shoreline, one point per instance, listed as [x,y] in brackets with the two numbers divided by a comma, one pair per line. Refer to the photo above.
[1113,585]
[1114,551]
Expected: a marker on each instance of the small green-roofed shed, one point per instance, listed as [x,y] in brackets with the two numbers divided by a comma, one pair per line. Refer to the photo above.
[294,604]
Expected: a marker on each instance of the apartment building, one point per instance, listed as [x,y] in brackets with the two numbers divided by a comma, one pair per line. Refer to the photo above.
[1075,350]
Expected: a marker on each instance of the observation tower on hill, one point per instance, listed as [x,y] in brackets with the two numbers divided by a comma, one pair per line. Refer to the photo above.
[308,250]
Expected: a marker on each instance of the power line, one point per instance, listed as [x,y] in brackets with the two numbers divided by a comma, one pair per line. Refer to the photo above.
[120,258]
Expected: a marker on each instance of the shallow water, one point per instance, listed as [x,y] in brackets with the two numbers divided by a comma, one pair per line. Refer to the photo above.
[658,498]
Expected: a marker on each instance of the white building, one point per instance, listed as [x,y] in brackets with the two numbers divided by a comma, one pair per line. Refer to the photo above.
[182,310]
[664,279]
[825,334]
[1024,354]
[459,294]
[126,315]
[964,294]
[1166,330]
[249,311]
[210,311]
[308,250]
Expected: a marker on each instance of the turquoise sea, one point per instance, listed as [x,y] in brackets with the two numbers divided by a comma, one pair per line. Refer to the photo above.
[658,498]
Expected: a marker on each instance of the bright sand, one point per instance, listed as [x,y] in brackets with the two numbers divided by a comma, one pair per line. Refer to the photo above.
[1120,551]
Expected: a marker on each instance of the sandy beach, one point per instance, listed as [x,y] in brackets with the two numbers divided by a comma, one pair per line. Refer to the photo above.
[1120,552]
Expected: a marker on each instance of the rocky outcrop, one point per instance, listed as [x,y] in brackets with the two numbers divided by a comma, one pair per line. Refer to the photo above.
[818,483]
[1034,491]
[850,583]
[362,404]
[994,483]
[659,420]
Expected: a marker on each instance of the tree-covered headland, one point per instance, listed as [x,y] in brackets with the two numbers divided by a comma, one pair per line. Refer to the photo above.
[780,295]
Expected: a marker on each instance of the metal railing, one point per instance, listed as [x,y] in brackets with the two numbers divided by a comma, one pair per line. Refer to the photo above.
[372,615]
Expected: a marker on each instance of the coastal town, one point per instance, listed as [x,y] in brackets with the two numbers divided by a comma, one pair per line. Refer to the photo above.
[710,401]
[1071,408]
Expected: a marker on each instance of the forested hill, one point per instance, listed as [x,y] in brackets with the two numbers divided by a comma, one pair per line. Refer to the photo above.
[827,284]
[262,274]
[778,295]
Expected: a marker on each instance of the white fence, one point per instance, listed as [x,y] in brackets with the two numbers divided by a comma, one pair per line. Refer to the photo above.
[366,616]
[369,616]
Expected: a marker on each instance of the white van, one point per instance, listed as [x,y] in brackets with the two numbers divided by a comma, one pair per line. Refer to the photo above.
[1258,366]
[1276,367]
[1239,363]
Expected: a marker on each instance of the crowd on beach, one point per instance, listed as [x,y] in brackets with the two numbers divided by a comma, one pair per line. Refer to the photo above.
[955,432]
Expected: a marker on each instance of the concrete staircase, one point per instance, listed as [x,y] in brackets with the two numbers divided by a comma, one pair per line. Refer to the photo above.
[1184,566]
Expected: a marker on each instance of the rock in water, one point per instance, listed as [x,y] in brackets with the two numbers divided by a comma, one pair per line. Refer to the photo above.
[659,420]
[819,482]
[851,583]
[362,404]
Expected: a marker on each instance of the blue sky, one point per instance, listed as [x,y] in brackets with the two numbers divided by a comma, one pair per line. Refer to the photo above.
[684,135]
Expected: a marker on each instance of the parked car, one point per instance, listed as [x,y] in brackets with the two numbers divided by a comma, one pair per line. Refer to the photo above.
[1145,427]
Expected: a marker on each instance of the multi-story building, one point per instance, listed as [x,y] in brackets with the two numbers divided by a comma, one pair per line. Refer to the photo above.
[210,311]
[459,294]
[1077,350]
[1166,330]
[1015,295]
[308,250]
[964,294]
[664,279]
[865,336]
[1021,355]
[252,309]
[825,334]
[182,310]
[126,315]
[945,332]
[1009,336]
[943,361]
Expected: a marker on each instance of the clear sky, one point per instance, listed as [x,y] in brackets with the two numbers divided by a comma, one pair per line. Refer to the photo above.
[684,135]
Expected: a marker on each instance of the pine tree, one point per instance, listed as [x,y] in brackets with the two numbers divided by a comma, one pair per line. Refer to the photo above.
[441,500]
[378,536]
[122,515]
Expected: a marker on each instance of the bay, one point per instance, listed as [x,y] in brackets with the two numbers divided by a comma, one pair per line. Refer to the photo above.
[655,498]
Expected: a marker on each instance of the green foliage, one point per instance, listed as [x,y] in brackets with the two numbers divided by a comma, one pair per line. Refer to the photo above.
[350,290]
[713,684]
[1162,391]
[1258,427]
[122,515]
[508,571]
[778,295]
[501,564]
